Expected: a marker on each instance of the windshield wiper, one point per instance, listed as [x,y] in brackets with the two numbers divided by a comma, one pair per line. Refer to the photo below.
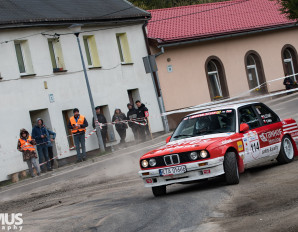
[178,136]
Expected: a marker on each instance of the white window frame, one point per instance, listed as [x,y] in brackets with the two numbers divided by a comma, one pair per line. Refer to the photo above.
[90,53]
[54,51]
[254,66]
[290,60]
[217,78]
[24,59]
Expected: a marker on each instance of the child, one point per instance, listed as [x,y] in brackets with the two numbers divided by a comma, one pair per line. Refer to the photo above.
[26,146]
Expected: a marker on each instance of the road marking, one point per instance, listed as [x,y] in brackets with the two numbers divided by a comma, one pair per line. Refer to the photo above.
[88,165]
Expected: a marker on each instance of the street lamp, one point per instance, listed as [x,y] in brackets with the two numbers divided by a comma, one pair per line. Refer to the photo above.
[76,29]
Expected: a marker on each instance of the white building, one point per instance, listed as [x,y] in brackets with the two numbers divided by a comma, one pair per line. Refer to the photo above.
[41,74]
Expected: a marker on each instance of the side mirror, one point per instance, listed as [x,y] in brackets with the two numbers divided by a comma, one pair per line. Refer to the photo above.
[168,139]
[244,127]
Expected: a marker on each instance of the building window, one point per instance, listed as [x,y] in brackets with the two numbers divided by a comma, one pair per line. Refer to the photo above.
[290,61]
[123,48]
[56,55]
[23,58]
[91,51]
[216,79]
[255,73]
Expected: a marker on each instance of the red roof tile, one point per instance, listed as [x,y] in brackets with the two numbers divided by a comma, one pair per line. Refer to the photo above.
[213,19]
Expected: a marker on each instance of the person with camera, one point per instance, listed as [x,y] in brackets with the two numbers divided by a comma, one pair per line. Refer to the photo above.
[39,133]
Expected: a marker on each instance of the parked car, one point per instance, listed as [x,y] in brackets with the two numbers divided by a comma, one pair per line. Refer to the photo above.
[220,141]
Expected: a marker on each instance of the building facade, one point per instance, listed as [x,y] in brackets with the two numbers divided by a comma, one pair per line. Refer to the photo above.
[222,50]
[42,76]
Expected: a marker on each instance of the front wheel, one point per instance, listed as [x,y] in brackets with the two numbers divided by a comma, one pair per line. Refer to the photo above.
[231,168]
[286,154]
[159,190]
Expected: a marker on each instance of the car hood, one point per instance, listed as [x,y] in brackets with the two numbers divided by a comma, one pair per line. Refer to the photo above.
[188,144]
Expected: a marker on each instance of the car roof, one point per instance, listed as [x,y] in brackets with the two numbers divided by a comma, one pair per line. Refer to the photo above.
[222,107]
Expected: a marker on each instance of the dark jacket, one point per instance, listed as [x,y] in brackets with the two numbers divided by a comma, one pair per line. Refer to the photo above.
[118,118]
[37,132]
[142,112]
[101,119]
[84,125]
[288,82]
[132,114]
[27,155]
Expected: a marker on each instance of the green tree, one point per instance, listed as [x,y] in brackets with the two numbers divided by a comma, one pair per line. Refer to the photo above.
[289,7]
[158,4]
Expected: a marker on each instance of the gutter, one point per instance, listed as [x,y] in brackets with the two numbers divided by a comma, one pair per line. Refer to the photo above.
[68,23]
[225,36]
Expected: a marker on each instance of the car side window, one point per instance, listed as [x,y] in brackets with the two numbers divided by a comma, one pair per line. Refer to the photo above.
[247,115]
[267,115]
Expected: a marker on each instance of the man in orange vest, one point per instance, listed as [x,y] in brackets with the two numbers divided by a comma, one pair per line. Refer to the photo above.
[26,146]
[78,124]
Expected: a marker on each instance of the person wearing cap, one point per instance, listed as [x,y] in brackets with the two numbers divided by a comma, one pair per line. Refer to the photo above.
[26,146]
[132,115]
[104,127]
[120,124]
[78,124]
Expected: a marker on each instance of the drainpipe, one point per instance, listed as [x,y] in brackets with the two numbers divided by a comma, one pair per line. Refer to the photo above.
[156,83]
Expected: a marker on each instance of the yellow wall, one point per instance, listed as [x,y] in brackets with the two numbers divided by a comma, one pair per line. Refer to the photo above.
[187,84]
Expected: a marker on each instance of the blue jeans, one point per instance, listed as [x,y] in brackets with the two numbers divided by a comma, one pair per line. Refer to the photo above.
[43,155]
[79,139]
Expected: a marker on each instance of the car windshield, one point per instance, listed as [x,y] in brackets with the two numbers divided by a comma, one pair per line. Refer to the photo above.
[213,122]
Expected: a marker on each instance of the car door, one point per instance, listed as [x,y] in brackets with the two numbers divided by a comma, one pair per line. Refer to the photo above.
[251,143]
[270,132]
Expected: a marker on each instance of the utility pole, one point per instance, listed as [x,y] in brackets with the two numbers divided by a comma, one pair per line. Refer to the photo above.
[76,28]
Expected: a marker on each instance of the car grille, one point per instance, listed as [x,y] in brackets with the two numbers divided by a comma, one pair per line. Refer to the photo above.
[173,159]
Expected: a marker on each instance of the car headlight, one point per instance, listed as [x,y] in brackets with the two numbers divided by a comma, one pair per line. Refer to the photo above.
[203,154]
[193,155]
[144,163]
[152,162]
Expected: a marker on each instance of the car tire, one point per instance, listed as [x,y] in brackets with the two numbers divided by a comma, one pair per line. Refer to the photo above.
[159,190]
[286,154]
[231,168]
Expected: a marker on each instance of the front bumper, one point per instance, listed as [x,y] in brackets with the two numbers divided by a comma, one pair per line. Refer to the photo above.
[214,167]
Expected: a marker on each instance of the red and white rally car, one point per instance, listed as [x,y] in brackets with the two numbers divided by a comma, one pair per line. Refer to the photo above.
[220,141]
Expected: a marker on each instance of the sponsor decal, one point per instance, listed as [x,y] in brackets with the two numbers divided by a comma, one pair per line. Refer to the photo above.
[270,150]
[271,136]
[242,156]
[240,146]
[266,116]
[149,181]
[226,141]
[229,111]
[11,222]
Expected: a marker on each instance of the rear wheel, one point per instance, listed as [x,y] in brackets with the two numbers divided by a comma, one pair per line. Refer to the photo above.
[159,190]
[231,168]
[286,154]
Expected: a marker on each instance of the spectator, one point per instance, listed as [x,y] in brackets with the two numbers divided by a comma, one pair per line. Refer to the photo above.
[78,124]
[104,128]
[50,145]
[132,115]
[288,82]
[39,133]
[26,146]
[121,126]
[142,115]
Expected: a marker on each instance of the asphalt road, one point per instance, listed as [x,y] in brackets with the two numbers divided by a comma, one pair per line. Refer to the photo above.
[106,194]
